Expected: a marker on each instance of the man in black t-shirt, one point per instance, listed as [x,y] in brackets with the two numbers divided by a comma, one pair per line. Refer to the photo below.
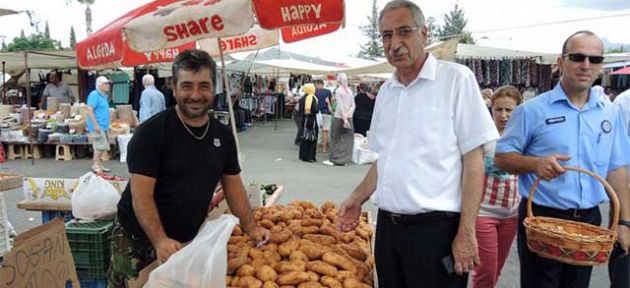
[176,159]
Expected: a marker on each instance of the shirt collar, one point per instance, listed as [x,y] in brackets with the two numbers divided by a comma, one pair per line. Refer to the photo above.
[428,71]
[558,94]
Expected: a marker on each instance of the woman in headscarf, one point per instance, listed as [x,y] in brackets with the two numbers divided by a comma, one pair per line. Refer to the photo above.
[308,110]
[341,131]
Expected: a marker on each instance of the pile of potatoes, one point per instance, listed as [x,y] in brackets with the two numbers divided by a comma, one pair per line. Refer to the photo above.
[305,250]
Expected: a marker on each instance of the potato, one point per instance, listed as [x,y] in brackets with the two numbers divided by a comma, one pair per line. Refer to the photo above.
[235,281]
[313,213]
[265,273]
[313,252]
[271,256]
[285,249]
[322,268]
[310,284]
[228,280]
[257,263]
[330,282]
[339,261]
[298,256]
[269,247]
[255,253]
[347,237]
[250,282]
[277,228]
[329,230]
[292,278]
[364,233]
[238,231]
[235,263]
[314,276]
[280,237]
[307,230]
[321,239]
[311,222]
[246,270]
[328,206]
[266,223]
[351,283]
[270,284]
[355,251]
[286,266]
[238,239]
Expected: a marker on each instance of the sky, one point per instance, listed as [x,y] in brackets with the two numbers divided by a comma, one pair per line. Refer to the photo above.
[485,17]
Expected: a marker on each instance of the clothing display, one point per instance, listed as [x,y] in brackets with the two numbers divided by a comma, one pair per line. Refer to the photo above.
[510,71]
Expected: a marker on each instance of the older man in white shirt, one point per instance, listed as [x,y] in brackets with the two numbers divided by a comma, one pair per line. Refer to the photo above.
[429,126]
[152,101]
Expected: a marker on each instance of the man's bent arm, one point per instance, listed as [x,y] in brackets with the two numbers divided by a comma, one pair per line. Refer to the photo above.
[142,189]
[367,186]
[515,163]
[237,200]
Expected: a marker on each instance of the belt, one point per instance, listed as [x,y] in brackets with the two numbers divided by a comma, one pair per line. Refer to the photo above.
[428,217]
[574,212]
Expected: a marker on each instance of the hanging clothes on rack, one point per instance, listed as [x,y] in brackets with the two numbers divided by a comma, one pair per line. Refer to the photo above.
[120,88]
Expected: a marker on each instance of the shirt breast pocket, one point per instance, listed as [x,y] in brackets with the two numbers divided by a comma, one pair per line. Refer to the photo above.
[431,128]
[602,149]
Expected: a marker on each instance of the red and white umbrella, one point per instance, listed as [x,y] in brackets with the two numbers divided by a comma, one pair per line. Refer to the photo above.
[106,47]
[230,24]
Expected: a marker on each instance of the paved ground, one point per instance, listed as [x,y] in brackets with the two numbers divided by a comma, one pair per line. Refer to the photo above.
[269,156]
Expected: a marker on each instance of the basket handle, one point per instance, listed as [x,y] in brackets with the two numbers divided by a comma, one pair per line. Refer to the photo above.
[609,190]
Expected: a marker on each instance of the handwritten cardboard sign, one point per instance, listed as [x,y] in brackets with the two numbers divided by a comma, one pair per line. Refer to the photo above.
[41,257]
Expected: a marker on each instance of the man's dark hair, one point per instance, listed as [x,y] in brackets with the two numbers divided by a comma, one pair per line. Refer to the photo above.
[319,82]
[585,32]
[194,60]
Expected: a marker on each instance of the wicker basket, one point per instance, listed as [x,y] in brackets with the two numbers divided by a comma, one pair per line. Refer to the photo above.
[571,242]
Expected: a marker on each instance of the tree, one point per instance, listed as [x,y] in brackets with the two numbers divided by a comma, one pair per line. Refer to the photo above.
[88,14]
[73,38]
[35,41]
[374,46]
[47,31]
[433,29]
[455,25]
[618,49]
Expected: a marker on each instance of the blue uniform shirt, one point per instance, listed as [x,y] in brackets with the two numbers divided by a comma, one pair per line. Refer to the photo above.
[595,138]
[99,105]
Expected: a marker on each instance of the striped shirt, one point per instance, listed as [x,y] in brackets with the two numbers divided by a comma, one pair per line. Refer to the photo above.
[500,197]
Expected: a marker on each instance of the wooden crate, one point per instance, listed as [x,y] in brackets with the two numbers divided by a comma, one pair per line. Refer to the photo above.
[10,180]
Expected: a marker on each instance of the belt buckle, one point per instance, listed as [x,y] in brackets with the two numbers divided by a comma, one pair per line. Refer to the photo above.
[576,213]
[395,216]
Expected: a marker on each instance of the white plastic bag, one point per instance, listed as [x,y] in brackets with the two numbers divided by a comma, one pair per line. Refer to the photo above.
[94,198]
[202,263]
[361,154]
[123,140]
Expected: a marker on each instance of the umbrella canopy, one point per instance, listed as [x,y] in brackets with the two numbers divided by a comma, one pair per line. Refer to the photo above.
[622,71]
[106,48]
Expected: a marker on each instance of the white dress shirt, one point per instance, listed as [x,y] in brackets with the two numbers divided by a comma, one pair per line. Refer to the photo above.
[421,131]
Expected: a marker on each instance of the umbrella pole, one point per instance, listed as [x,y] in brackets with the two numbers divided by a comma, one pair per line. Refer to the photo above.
[4,82]
[229,99]
[28,104]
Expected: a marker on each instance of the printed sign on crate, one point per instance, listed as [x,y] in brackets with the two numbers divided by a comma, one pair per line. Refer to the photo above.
[56,190]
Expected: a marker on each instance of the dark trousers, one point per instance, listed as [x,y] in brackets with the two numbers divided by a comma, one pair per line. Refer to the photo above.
[538,272]
[619,269]
[409,250]
[299,123]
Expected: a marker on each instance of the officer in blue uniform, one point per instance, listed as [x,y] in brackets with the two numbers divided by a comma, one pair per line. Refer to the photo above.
[567,126]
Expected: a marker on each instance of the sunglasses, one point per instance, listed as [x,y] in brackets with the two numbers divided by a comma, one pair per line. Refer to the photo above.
[579,57]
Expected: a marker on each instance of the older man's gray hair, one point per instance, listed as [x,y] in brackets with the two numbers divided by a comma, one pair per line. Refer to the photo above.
[416,13]
[148,80]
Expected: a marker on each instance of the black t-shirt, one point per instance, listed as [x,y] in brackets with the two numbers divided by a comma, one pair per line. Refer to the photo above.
[186,171]
[323,94]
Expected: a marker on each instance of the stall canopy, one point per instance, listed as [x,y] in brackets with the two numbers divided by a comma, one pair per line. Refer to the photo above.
[622,71]
[14,61]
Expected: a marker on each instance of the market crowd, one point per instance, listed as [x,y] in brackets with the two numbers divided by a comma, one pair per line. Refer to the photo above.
[453,174]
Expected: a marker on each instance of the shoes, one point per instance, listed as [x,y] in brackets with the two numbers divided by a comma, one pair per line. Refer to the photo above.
[96,169]
[105,169]
[328,163]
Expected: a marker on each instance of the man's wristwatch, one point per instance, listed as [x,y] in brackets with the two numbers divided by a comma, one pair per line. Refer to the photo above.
[625,223]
